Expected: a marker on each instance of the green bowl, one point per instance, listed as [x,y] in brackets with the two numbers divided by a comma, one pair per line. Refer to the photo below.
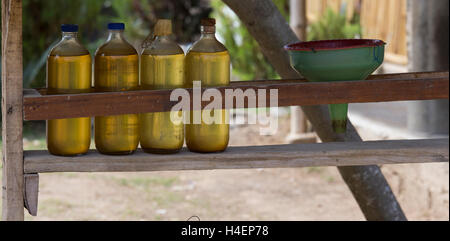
[337,60]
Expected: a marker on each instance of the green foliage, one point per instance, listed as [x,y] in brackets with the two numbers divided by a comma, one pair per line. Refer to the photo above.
[41,21]
[284,7]
[334,26]
[247,59]
[141,15]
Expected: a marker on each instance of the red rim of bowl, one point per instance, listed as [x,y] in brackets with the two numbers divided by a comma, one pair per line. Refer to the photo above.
[334,44]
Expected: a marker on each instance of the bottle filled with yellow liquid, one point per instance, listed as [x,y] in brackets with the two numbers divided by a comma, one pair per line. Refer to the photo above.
[69,69]
[162,67]
[116,69]
[208,61]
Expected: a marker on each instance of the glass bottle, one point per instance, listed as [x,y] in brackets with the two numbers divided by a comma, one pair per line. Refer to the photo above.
[208,61]
[116,69]
[147,41]
[162,67]
[69,69]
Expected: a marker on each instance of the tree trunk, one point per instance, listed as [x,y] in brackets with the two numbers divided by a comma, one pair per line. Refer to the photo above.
[428,39]
[272,32]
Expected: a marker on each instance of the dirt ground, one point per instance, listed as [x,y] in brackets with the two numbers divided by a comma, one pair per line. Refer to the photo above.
[269,194]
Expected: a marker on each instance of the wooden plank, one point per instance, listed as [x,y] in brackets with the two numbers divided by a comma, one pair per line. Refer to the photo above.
[31,193]
[410,86]
[12,193]
[284,156]
[411,75]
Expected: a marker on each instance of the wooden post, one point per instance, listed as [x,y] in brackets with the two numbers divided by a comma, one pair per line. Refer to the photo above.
[298,24]
[12,108]
[299,122]
[298,18]
[428,37]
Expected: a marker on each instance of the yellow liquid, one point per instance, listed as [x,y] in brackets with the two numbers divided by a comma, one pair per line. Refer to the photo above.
[212,69]
[158,134]
[69,75]
[117,135]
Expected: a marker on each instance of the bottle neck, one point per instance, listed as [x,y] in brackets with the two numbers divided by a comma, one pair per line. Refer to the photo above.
[115,35]
[208,32]
[69,35]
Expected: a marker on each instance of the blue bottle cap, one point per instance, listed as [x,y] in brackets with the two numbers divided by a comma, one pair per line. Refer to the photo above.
[69,28]
[116,26]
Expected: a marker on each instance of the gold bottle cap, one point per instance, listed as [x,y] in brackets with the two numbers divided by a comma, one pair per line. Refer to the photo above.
[163,27]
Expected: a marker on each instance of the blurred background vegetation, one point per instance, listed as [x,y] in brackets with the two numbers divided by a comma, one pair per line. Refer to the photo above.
[335,26]
[42,20]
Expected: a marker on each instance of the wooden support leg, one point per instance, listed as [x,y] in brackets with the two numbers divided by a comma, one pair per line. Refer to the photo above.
[31,193]
[12,109]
